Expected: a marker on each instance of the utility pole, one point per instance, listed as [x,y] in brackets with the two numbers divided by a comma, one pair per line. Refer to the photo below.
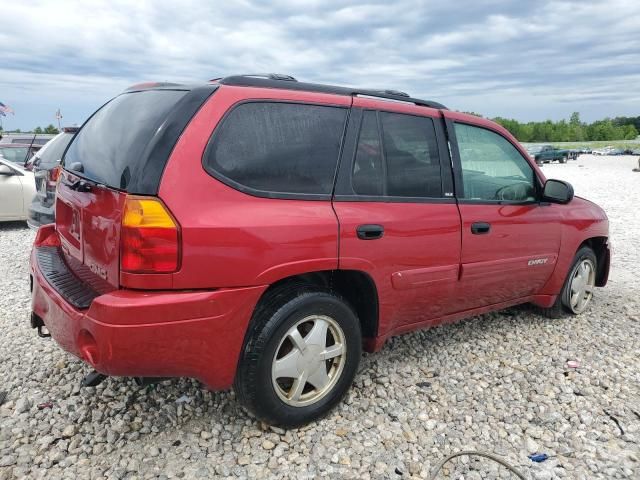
[59,117]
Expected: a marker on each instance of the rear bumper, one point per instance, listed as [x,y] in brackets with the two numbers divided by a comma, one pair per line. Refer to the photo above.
[195,334]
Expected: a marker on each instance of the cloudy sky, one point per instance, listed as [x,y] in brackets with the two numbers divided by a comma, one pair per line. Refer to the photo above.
[521,59]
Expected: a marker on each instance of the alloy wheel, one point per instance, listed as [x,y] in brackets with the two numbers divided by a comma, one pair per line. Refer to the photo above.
[309,360]
[582,285]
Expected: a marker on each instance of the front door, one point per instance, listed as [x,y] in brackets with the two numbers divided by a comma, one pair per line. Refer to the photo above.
[398,219]
[510,240]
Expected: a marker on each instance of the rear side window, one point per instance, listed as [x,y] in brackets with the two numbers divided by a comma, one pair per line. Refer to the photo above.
[111,145]
[407,165]
[278,148]
[367,175]
[411,151]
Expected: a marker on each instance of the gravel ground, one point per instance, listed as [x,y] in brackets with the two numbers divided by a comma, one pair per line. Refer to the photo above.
[497,383]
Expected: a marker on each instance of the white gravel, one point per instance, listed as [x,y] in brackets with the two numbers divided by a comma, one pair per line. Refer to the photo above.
[497,383]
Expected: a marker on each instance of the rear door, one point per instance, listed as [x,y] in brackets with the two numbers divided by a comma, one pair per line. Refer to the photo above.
[510,240]
[398,219]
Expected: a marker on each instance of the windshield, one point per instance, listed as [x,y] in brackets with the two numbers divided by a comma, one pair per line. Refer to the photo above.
[110,147]
[14,154]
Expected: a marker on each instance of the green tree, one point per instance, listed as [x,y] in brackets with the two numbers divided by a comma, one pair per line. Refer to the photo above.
[51,129]
[37,130]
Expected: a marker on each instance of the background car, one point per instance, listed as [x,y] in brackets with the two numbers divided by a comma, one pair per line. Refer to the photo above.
[46,168]
[18,153]
[17,188]
[26,138]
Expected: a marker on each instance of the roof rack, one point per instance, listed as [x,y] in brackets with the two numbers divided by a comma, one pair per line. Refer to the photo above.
[269,76]
[287,82]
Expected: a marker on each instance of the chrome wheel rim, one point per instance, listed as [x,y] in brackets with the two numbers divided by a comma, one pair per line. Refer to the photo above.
[582,284]
[309,360]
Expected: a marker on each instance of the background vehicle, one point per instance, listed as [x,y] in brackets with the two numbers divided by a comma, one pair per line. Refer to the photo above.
[18,153]
[46,168]
[548,153]
[17,189]
[26,138]
[608,151]
[271,230]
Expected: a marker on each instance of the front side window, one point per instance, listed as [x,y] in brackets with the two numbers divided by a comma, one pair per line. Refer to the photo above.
[278,147]
[492,168]
[406,165]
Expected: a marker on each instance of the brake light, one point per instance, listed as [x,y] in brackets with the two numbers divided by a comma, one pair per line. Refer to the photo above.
[149,238]
[54,174]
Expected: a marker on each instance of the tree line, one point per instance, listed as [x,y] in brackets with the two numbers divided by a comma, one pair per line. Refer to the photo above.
[575,130]
[49,129]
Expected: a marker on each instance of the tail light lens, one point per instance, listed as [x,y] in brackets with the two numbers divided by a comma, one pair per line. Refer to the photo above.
[54,174]
[149,238]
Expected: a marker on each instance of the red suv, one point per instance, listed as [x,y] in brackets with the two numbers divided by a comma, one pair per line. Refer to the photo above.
[258,232]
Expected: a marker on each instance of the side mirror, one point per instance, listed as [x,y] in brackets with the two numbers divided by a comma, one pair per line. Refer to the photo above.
[557,191]
[6,170]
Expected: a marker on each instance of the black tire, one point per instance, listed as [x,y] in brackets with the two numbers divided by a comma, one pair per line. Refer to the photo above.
[563,160]
[276,314]
[561,307]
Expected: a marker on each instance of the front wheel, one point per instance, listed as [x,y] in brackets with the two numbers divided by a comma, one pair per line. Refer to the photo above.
[301,356]
[577,291]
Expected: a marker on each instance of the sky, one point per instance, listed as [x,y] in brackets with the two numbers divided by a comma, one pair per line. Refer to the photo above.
[529,60]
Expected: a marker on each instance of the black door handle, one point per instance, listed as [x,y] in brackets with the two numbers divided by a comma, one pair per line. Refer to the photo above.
[370,232]
[480,228]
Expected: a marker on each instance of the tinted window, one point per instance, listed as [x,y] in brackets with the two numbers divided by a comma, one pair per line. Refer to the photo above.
[492,168]
[52,152]
[111,144]
[411,153]
[367,168]
[408,165]
[278,147]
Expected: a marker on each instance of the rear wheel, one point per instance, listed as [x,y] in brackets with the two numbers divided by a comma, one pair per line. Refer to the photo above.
[577,291]
[563,160]
[300,357]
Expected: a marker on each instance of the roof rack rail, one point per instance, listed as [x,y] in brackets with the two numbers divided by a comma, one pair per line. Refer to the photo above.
[269,76]
[393,92]
[287,82]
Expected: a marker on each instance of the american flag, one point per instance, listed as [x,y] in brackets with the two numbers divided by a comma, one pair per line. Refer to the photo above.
[4,109]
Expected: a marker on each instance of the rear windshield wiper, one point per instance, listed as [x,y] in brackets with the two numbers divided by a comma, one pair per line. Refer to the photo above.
[78,185]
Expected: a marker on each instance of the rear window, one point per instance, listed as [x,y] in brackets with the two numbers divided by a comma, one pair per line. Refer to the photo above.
[15,154]
[52,152]
[111,145]
[274,148]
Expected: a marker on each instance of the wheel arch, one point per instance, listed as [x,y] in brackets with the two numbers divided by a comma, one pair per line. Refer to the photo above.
[355,286]
[600,246]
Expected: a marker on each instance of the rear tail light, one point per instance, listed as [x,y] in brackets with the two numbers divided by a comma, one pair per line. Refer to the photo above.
[54,175]
[149,238]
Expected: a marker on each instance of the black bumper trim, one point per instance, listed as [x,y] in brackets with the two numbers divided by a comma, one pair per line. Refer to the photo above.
[63,281]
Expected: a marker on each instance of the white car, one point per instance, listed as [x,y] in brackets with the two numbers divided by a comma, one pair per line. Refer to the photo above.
[17,189]
[602,151]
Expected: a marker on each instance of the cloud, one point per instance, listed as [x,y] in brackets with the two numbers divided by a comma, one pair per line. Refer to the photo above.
[529,60]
